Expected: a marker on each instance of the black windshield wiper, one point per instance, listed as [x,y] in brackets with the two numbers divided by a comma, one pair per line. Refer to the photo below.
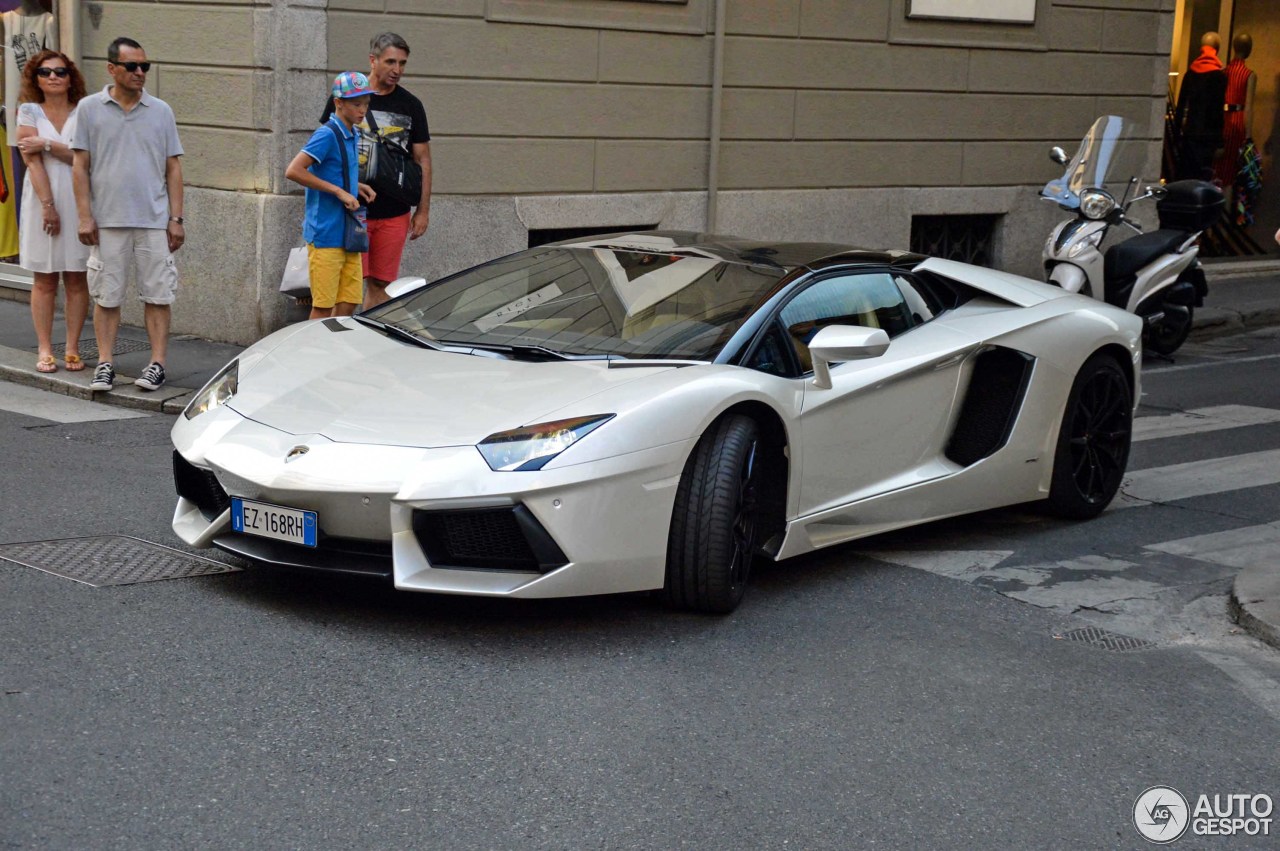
[397,332]
[530,352]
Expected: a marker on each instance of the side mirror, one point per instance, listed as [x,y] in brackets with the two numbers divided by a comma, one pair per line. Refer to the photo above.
[400,286]
[839,343]
[1058,155]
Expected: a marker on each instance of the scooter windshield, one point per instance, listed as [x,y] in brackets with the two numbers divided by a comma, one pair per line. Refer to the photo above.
[1107,158]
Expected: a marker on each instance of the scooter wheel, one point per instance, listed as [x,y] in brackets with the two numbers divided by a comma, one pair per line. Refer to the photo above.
[1167,337]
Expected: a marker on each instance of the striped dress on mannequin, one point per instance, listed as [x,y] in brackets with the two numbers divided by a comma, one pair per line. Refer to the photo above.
[1233,134]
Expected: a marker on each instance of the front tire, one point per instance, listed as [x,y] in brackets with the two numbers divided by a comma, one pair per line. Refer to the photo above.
[716,519]
[1093,441]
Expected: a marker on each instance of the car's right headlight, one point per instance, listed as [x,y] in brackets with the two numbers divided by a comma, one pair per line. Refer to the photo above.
[531,447]
[216,393]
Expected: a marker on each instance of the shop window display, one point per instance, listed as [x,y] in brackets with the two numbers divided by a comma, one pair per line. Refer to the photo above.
[27,27]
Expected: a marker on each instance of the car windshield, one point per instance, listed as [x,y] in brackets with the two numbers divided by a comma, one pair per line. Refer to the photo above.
[589,302]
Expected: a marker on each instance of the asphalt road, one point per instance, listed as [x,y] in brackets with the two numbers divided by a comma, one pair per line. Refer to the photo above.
[853,701]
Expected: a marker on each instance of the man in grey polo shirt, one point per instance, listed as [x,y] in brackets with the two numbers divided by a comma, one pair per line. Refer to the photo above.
[128,181]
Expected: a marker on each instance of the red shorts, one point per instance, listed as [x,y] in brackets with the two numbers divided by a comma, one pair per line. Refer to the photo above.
[386,244]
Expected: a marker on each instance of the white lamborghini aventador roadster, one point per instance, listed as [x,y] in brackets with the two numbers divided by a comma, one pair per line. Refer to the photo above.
[653,411]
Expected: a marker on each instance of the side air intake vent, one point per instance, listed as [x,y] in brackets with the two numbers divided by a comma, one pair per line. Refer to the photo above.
[996,389]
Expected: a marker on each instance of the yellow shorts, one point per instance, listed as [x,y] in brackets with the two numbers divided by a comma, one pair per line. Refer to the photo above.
[336,276]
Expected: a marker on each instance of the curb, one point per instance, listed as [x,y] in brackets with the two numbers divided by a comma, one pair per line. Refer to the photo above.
[1255,603]
[1211,321]
[15,367]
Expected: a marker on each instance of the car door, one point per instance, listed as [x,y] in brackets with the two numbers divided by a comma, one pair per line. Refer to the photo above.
[883,423]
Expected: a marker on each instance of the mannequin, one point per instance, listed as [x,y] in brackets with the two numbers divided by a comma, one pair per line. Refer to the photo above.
[1238,118]
[1199,112]
[26,30]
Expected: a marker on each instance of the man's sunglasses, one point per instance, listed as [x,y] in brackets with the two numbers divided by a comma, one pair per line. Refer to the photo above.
[53,72]
[133,66]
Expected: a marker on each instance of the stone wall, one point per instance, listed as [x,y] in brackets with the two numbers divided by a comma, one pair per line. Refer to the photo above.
[841,119]
[231,70]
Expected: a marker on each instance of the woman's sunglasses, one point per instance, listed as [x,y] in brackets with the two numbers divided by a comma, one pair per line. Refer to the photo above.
[53,72]
[133,66]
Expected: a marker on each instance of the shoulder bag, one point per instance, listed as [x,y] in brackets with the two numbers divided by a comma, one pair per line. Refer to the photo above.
[390,169]
[355,231]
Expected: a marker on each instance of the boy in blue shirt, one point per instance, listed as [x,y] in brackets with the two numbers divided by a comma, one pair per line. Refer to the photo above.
[336,275]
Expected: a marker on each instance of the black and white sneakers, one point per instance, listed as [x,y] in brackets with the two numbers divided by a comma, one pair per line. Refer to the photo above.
[104,377]
[151,379]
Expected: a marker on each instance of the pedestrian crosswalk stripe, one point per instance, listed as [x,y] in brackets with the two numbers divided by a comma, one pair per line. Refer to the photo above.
[1183,367]
[1260,688]
[1199,478]
[58,408]
[944,562]
[1202,420]
[1241,548]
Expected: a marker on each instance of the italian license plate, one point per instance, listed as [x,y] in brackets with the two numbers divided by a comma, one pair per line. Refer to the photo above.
[294,525]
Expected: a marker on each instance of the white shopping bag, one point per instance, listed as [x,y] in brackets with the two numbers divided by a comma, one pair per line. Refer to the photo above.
[296,280]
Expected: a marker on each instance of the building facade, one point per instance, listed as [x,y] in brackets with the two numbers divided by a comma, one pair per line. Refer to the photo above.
[833,120]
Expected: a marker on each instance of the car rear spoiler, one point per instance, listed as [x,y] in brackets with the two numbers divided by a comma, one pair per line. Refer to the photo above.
[1014,289]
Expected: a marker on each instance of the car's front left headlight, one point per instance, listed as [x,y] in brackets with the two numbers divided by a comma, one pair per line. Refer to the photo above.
[1096,204]
[216,393]
[531,447]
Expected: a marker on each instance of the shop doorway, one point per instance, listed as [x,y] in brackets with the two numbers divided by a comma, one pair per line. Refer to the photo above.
[1253,213]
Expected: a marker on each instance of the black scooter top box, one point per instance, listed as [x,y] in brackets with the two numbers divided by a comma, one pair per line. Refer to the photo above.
[1190,205]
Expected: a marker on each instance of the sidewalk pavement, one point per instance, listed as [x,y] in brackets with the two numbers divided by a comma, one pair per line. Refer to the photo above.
[1241,297]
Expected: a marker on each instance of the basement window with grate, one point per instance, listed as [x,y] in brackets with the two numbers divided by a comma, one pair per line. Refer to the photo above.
[966,238]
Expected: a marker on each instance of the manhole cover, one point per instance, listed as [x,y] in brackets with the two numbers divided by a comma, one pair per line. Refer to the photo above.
[1106,640]
[89,348]
[110,560]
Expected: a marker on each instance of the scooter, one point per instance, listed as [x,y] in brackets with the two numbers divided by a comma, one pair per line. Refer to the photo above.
[1154,275]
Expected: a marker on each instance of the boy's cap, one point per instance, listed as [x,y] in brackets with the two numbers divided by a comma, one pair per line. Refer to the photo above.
[351,84]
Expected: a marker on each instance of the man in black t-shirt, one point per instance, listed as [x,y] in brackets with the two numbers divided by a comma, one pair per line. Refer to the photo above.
[400,118]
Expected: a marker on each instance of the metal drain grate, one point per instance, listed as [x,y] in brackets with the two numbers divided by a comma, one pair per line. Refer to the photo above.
[110,560]
[89,348]
[1106,640]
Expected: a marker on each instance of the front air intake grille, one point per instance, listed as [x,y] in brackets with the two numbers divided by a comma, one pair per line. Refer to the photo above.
[199,486]
[508,539]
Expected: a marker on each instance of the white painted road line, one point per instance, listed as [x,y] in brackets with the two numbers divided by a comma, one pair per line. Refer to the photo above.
[1199,478]
[58,408]
[1245,547]
[1201,420]
[1258,687]
[957,563]
[1186,366]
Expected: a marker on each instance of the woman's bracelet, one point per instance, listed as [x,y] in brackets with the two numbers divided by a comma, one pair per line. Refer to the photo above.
[47,203]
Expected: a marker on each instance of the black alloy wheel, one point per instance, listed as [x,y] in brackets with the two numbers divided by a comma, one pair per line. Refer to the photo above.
[1093,441]
[715,523]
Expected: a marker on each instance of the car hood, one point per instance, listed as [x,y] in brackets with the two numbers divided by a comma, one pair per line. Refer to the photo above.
[357,385]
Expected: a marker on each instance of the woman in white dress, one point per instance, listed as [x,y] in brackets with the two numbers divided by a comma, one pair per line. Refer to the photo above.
[48,242]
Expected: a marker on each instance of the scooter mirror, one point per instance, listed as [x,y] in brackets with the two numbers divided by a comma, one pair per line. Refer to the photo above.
[1058,155]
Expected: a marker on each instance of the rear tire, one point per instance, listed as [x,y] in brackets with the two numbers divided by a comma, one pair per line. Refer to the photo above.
[715,522]
[1093,441]
[1167,337]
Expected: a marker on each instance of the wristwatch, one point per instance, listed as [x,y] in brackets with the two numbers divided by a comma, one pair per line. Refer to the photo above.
[48,145]
[177,219]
